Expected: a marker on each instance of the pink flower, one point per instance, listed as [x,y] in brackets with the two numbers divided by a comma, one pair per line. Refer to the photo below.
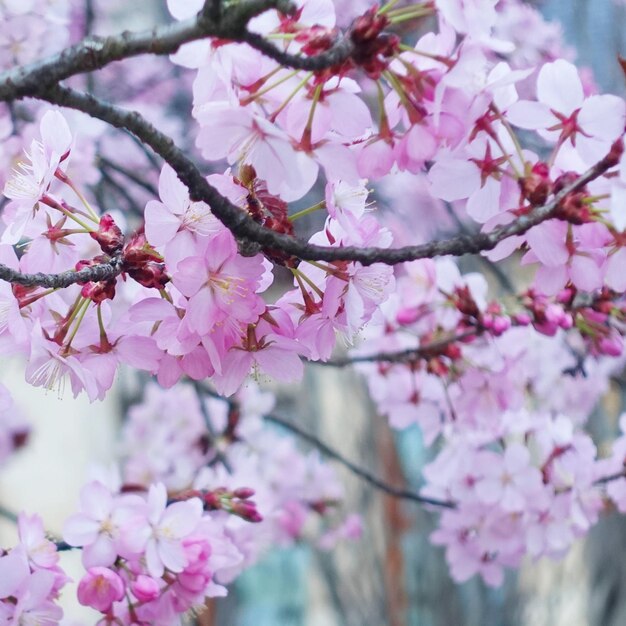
[41,552]
[220,284]
[102,527]
[145,588]
[563,113]
[28,184]
[176,214]
[169,527]
[264,350]
[243,136]
[509,480]
[99,588]
[48,367]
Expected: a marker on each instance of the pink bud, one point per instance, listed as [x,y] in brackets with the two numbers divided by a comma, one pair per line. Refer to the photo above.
[108,235]
[145,588]
[500,325]
[407,316]
[611,346]
[99,588]
[243,493]
[522,319]
[248,511]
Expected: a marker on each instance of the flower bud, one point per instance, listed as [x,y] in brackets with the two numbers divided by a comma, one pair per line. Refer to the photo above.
[145,588]
[99,588]
[109,236]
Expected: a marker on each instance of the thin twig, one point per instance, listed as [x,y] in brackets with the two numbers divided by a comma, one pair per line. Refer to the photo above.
[8,515]
[367,476]
[326,450]
[401,356]
[219,455]
[138,180]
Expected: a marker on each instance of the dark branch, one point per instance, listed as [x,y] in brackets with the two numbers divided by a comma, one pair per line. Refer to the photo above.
[95,273]
[132,176]
[340,52]
[396,492]
[8,514]
[219,455]
[610,478]
[94,53]
[244,227]
[326,450]
[426,351]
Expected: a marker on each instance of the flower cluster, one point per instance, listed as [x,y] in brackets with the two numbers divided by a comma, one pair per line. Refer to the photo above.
[190,443]
[147,560]
[30,577]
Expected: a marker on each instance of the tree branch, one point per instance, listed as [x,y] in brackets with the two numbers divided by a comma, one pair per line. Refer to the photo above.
[326,450]
[229,23]
[426,351]
[95,52]
[396,492]
[138,180]
[244,227]
[341,50]
[95,273]
[219,455]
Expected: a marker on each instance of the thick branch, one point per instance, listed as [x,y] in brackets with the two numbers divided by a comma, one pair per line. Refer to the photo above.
[94,53]
[244,227]
[340,52]
[95,273]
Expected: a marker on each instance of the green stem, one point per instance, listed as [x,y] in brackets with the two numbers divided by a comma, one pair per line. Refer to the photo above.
[512,133]
[397,87]
[286,36]
[507,156]
[71,216]
[103,334]
[92,214]
[291,96]
[411,8]
[307,211]
[306,134]
[387,7]
[383,125]
[296,272]
[79,318]
[329,269]
[269,87]
[410,16]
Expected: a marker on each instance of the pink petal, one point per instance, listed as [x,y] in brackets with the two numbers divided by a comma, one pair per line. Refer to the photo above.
[454,179]
[585,272]
[161,225]
[559,87]
[100,553]
[547,241]
[530,115]
[616,271]
[80,530]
